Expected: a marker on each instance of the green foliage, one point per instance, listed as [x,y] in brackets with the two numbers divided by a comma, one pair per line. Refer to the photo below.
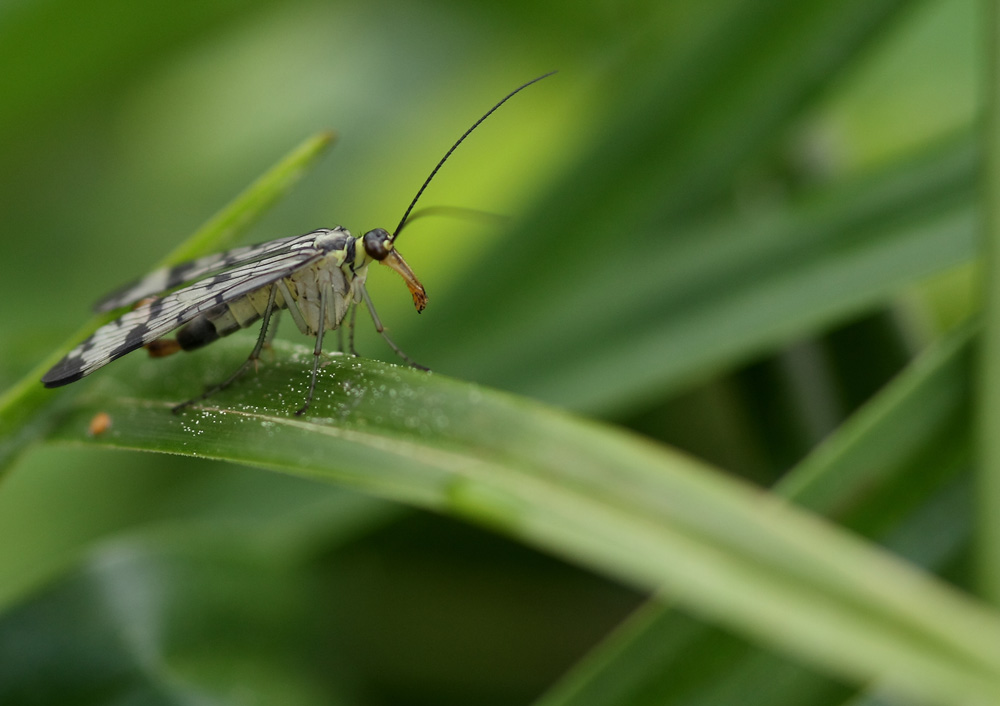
[700,249]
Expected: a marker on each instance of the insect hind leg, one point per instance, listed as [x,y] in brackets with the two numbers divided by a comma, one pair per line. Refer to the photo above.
[263,339]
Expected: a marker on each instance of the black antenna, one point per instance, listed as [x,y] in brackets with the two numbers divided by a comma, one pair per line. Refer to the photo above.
[455,146]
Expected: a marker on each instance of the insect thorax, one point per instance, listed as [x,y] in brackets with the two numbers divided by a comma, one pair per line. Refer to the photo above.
[339,272]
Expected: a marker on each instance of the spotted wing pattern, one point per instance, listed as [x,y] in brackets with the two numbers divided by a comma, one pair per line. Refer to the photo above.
[167,278]
[158,316]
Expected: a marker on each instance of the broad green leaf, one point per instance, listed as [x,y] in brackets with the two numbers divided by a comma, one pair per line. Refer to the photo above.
[583,491]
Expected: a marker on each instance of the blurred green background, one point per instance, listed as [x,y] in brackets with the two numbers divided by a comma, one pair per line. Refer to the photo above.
[730,224]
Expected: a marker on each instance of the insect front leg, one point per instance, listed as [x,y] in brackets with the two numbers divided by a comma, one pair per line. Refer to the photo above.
[381,329]
[262,339]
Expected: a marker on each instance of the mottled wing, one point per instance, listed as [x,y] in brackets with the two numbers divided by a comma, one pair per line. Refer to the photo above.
[168,278]
[157,317]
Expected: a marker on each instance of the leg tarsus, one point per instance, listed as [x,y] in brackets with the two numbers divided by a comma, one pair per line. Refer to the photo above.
[252,360]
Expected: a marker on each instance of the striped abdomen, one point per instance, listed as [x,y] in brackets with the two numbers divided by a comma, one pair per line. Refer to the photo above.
[224,319]
[303,288]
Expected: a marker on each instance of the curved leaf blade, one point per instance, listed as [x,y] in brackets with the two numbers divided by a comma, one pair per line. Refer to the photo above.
[581,490]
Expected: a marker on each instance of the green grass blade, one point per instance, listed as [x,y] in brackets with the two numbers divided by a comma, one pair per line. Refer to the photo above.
[614,227]
[893,456]
[916,427]
[703,298]
[19,405]
[580,490]
[225,227]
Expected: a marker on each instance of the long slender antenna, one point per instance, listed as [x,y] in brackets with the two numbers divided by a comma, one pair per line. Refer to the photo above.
[447,154]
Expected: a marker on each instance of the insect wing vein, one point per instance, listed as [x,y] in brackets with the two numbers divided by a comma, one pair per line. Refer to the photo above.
[167,278]
[157,317]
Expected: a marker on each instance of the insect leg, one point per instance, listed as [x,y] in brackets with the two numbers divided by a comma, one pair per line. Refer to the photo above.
[252,360]
[317,351]
[350,350]
[350,336]
[381,329]
[350,339]
[293,309]
[272,330]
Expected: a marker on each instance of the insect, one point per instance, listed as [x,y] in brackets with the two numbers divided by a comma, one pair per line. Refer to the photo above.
[319,277]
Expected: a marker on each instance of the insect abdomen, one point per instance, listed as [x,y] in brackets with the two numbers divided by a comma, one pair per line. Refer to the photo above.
[225,319]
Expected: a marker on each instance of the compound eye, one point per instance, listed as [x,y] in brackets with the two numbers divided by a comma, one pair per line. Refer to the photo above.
[378,244]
